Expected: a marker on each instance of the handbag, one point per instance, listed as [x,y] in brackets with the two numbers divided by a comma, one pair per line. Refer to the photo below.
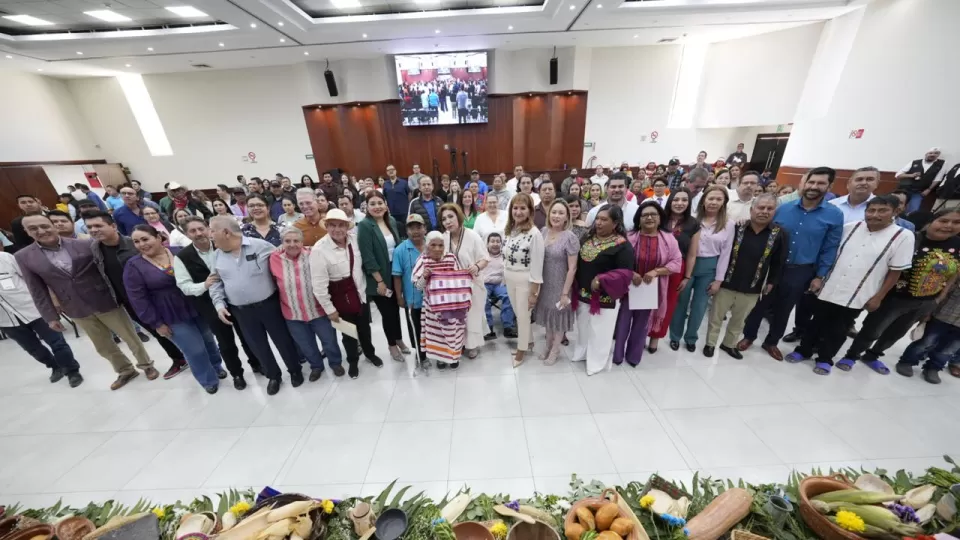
[344,293]
[918,331]
[449,290]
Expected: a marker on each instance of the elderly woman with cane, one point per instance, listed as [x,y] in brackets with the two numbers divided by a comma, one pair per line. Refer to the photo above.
[444,315]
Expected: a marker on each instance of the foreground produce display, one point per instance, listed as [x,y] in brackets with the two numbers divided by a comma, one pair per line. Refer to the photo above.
[831,505]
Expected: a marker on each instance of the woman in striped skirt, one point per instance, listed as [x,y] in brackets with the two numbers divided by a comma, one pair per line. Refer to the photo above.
[444,332]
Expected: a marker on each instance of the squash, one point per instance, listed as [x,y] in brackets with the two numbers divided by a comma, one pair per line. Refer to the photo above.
[720,515]
[586,518]
[605,516]
[622,526]
[573,531]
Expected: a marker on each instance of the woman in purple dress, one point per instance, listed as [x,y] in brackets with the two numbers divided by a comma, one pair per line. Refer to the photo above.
[553,310]
[158,302]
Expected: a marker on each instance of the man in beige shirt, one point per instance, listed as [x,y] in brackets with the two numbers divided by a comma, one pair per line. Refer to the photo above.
[738,209]
[312,221]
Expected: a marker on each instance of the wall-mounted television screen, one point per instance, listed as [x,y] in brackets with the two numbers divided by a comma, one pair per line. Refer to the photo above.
[442,88]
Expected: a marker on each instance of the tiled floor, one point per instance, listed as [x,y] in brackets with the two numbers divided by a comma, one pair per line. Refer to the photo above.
[487,425]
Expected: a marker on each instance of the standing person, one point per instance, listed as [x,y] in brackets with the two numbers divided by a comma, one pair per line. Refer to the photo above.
[870,259]
[468,207]
[814,227]
[903,196]
[156,221]
[553,310]
[311,223]
[604,272]
[64,225]
[674,174]
[426,205]
[221,208]
[92,196]
[523,265]
[657,257]
[501,191]
[737,158]
[178,238]
[290,213]
[577,224]
[918,291]
[398,194]
[193,269]
[526,187]
[939,344]
[345,203]
[246,285]
[21,322]
[860,190]
[493,219]
[114,200]
[595,197]
[224,194]
[599,178]
[305,319]
[153,295]
[571,179]
[306,181]
[514,183]
[740,207]
[660,192]
[918,177]
[948,189]
[111,252]
[262,226]
[378,238]
[142,194]
[492,277]
[336,269]
[131,213]
[413,181]
[29,206]
[410,298]
[713,257]
[68,205]
[548,194]
[239,207]
[471,253]
[757,259]
[327,186]
[65,268]
[204,201]
[616,195]
[463,114]
[443,331]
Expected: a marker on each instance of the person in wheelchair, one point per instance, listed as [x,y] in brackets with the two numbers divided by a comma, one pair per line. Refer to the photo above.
[492,276]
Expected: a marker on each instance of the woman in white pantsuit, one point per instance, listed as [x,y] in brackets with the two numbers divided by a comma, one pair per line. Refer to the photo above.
[471,252]
[523,254]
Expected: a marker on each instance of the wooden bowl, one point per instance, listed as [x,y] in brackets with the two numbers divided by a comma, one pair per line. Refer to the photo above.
[34,532]
[472,530]
[532,531]
[74,528]
[812,486]
[593,503]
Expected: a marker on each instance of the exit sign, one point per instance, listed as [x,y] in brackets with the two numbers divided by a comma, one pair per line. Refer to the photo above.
[309,156]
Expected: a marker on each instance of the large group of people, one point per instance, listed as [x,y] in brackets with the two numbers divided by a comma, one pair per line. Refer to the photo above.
[297,264]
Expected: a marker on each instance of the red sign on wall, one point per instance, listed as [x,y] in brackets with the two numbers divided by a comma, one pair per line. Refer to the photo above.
[856,133]
[93,180]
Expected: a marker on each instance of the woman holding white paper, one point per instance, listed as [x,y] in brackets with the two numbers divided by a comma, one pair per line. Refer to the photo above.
[656,256]
[553,310]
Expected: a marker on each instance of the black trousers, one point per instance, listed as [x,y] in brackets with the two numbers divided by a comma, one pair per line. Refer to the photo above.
[826,332]
[781,300]
[168,347]
[803,315]
[257,321]
[885,326]
[226,340]
[389,317]
[28,336]
[352,346]
[413,327]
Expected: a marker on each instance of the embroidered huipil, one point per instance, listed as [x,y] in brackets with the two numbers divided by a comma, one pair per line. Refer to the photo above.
[297,301]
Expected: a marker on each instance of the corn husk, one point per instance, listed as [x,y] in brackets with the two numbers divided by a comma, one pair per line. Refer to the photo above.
[249,528]
[882,518]
[194,523]
[919,496]
[926,513]
[870,531]
[663,503]
[302,526]
[227,521]
[822,507]
[292,510]
[856,496]
[505,511]
[278,528]
[872,482]
[452,510]
[947,506]
[683,507]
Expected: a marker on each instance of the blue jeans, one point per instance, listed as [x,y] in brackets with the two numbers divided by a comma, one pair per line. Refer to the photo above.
[939,345]
[780,302]
[913,203]
[194,338]
[305,334]
[497,292]
[704,273]
[26,335]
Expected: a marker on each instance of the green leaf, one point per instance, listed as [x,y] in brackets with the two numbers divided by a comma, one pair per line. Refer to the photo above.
[382,498]
[399,497]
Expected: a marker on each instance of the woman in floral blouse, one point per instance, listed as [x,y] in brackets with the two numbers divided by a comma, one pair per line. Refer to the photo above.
[523,265]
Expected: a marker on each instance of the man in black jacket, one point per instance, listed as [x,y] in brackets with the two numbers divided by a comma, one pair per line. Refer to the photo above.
[918,176]
[427,205]
[30,206]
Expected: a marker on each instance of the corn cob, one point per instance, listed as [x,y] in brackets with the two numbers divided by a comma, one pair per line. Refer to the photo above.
[856,496]
[882,518]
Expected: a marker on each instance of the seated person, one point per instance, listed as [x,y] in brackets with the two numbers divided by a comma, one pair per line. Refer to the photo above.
[492,276]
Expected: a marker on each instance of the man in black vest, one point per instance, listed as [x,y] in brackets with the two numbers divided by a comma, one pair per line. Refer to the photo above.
[918,176]
[192,268]
[948,190]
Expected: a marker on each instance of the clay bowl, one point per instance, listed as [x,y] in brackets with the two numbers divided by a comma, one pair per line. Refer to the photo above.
[471,530]
[35,532]
[532,531]
[74,528]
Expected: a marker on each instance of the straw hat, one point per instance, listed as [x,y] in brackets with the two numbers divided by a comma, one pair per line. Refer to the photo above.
[337,215]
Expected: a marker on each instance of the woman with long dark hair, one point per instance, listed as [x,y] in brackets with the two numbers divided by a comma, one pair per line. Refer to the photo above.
[604,272]
[178,237]
[154,296]
[378,237]
[307,181]
[679,221]
[469,209]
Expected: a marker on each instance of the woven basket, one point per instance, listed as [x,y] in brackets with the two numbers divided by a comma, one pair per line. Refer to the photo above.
[823,527]
[740,534]
[671,489]
[593,503]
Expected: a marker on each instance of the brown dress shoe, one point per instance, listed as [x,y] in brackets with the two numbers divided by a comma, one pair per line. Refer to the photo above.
[774,352]
[744,344]
[955,370]
[123,379]
[151,373]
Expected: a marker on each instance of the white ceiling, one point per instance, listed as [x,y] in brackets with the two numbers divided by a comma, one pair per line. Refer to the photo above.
[255,33]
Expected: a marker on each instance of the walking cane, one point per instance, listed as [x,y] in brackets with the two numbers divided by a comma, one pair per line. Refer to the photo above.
[416,346]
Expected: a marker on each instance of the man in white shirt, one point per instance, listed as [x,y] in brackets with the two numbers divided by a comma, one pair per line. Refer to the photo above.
[659,192]
[616,194]
[738,209]
[600,178]
[871,256]
[860,188]
[513,184]
[918,177]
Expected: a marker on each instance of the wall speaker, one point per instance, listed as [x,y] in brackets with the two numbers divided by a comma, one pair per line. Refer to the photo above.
[331,83]
[554,69]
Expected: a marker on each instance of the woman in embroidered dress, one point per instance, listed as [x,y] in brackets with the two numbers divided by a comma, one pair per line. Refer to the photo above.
[553,310]
[471,253]
[657,257]
[444,332]
[523,267]
[604,271]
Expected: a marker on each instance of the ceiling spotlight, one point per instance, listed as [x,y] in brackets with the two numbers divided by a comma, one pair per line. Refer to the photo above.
[150,49]
[80,53]
[186,11]
[126,65]
[253,25]
[280,23]
[306,53]
[9,57]
[437,31]
[28,20]
[220,44]
[364,36]
[39,69]
[572,7]
[107,15]
[282,40]
[599,6]
[345,4]
[635,36]
[510,27]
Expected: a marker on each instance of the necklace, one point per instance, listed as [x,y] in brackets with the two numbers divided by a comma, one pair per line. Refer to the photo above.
[166,268]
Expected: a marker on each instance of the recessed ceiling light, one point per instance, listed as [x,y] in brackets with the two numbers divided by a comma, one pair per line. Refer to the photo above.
[80,53]
[220,44]
[280,23]
[572,7]
[306,53]
[510,27]
[186,11]
[107,15]
[9,56]
[39,69]
[253,25]
[28,20]
[599,6]
[150,49]
[345,4]
[636,36]
[437,31]
[364,36]
[282,40]
[127,65]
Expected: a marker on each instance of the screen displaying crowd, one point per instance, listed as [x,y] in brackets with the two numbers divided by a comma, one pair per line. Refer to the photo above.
[436,89]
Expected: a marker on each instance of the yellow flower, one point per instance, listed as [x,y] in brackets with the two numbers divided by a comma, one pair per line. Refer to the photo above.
[499,530]
[850,521]
[327,506]
[240,508]
[159,512]
[647,501]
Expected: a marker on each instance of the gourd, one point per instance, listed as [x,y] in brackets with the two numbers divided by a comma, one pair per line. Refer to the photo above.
[720,515]
[608,535]
[605,516]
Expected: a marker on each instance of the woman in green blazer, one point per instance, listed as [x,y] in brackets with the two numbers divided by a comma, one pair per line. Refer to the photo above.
[377,236]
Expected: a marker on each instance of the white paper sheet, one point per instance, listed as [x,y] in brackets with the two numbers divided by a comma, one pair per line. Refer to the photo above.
[645,295]
[346,328]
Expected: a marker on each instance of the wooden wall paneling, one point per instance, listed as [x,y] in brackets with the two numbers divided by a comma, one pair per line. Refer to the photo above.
[29,180]
[574,128]
[111,174]
[792,175]
[8,201]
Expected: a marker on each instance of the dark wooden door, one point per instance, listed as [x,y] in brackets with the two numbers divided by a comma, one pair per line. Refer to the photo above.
[23,180]
[768,152]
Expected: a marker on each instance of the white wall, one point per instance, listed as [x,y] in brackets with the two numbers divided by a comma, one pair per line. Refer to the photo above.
[756,80]
[41,121]
[900,84]
[212,120]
